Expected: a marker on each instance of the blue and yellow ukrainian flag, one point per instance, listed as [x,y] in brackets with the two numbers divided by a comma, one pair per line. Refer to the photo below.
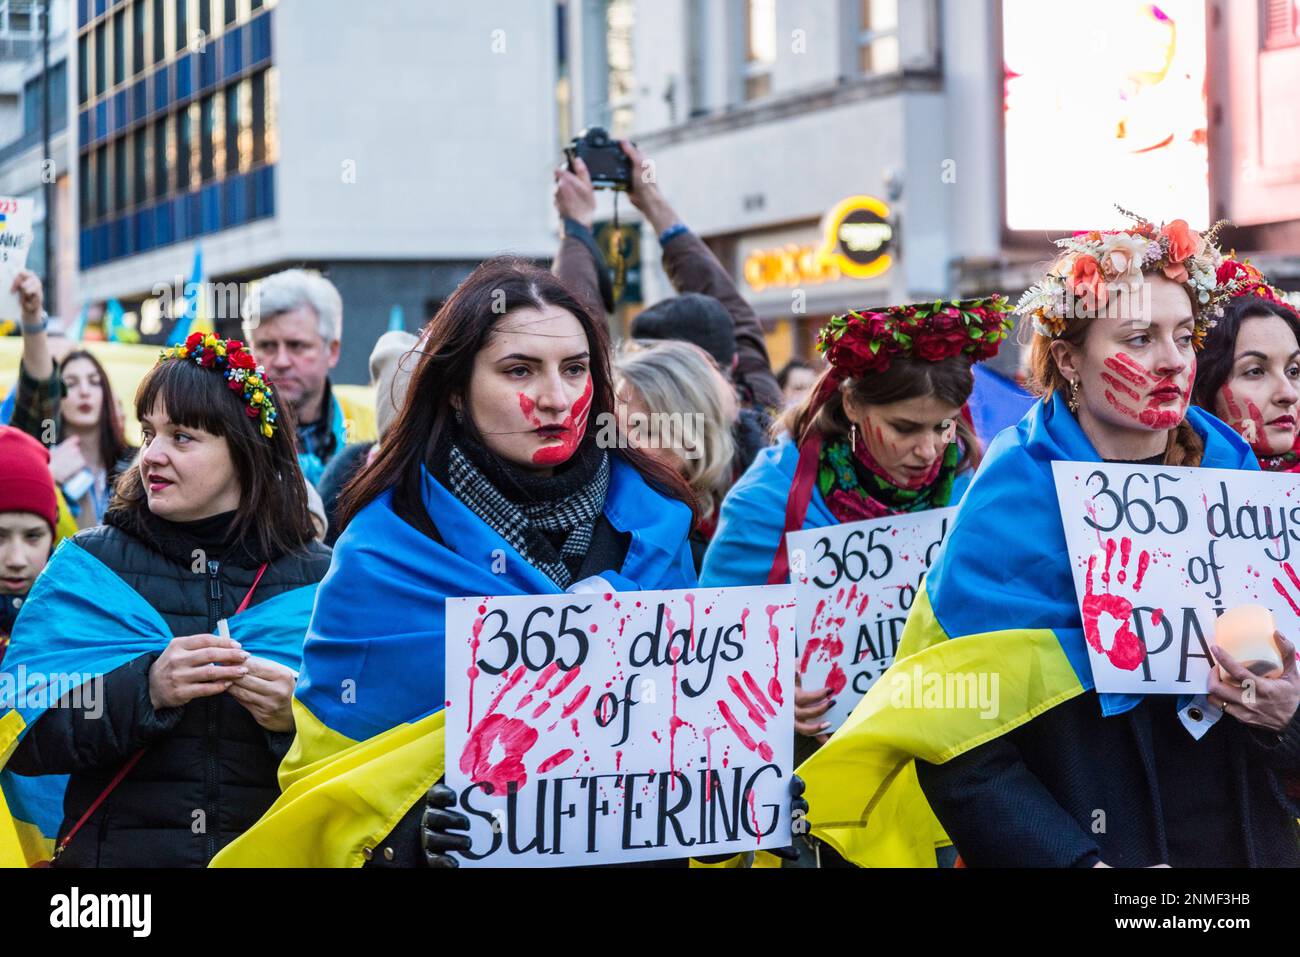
[370,698]
[1015,617]
[81,621]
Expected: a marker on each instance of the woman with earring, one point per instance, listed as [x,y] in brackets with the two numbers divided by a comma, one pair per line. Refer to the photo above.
[1053,774]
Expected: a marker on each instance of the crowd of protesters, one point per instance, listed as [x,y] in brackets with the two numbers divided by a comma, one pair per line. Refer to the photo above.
[247,554]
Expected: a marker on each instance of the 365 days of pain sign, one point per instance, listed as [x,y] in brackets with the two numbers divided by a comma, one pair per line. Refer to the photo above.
[855,583]
[621,726]
[1159,552]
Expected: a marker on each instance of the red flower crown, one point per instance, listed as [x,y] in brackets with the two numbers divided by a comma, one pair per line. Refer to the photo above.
[242,373]
[870,340]
[1247,280]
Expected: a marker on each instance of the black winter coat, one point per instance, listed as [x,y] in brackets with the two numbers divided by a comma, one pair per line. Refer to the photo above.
[1071,787]
[209,770]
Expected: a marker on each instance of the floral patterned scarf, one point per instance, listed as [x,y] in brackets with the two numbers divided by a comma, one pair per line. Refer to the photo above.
[1286,462]
[856,487]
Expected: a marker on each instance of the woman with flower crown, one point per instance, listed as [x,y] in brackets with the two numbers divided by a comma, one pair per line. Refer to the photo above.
[881,433]
[1056,775]
[182,619]
[1249,371]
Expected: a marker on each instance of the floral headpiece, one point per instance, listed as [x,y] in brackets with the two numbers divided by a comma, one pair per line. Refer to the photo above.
[869,340]
[1078,284]
[1251,282]
[242,373]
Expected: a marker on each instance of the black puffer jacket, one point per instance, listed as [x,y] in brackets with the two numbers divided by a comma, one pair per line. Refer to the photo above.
[209,770]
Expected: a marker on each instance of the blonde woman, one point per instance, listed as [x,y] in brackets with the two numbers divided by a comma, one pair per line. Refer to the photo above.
[675,404]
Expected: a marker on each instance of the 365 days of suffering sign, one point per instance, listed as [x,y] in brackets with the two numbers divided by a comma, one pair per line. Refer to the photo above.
[15,243]
[621,726]
[854,584]
[1159,552]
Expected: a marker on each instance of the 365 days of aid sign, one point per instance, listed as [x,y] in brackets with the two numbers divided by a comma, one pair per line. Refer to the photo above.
[621,726]
[855,584]
[1159,552]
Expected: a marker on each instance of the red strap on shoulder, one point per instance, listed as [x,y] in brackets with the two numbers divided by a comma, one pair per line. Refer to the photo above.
[117,779]
[796,504]
[249,597]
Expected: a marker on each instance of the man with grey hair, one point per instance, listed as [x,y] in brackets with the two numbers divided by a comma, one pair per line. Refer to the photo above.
[294,321]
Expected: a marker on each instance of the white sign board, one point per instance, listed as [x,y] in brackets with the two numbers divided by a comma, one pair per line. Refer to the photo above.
[1159,552]
[15,243]
[855,583]
[621,726]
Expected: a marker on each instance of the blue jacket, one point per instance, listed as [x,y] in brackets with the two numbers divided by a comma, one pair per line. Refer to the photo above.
[752,521]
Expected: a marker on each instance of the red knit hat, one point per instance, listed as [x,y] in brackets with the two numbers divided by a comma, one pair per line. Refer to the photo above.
[26,484]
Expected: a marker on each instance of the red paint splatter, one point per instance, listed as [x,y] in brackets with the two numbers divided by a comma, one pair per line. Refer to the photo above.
[754,714]
[1281,589]
[774,686]
[576,702]
[763,749]
[556,759]
[836,680]
[575,426]
[808,649]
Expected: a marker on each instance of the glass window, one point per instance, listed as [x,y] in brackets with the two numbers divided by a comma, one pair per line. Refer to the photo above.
[272,115]
[159,30]
[232,11]
[119,47]
[206,116]
[101,182]
[232,130]
[141,162]
[101,59]
[86,184]
[137,36]
[182,24]
[205,16]
[878,36]
[245,126]
[83,66]
[161,161]
[183,161]
[257,121]
[120,195]
[760,47]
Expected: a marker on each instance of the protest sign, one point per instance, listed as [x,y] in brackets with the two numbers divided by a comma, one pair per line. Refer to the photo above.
[621,726]
[1159,552]
[854,584]
[15,243]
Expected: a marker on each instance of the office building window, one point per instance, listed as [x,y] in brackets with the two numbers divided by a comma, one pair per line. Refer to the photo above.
[141,161]
[760,47]
[206,123]
[232,129]
[182,22]
[83,69]
[183,162]
[232,11]
[271,102]
[33,96]
[120,195]
[878,50]
[86,183]
[119,47]
[159,30]
[163,159]
[205,16]
[620,18]
[138,18]
[245,126]
[257,96]
[101,59]
[101,182]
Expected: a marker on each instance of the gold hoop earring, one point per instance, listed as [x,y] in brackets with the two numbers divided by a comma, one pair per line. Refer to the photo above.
[1074,396]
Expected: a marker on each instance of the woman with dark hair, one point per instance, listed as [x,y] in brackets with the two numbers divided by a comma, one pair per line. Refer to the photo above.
[71,409]
[1055,774]
[1248,374]
[170,745]
[489,482]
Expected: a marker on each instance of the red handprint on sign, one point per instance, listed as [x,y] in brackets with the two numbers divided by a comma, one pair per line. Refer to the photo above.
[1126,649]
[752,702]
[494,753]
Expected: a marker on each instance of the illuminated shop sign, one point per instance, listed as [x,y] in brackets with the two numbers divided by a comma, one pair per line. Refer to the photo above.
[857,242]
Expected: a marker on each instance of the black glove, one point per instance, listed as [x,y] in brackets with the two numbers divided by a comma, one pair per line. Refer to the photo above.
[798,815]
[438,828]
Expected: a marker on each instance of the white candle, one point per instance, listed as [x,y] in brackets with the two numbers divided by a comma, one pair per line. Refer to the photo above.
[1246,633]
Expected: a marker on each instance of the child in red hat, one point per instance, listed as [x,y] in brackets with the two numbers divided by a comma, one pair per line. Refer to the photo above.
[29,512]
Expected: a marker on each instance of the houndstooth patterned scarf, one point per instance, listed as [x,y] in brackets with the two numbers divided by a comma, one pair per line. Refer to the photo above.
[524,525]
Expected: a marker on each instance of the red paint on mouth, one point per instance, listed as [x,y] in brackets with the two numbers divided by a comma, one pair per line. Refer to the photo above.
[574,425]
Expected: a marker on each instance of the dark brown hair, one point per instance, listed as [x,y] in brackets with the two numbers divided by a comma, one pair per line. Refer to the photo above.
[950,381]
[444,361]
[112,438]
[273,495]
[1214,364]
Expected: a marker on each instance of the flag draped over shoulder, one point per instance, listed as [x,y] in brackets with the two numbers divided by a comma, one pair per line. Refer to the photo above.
[369,701]
[80,622]
[998,600]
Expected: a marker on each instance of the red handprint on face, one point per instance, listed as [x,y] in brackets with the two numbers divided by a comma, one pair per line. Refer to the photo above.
[752,702]
[494,753]
[1249,423]
[1126,649]
[1281,589]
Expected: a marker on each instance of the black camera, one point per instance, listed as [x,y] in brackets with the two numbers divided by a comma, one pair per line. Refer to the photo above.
[606,162]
